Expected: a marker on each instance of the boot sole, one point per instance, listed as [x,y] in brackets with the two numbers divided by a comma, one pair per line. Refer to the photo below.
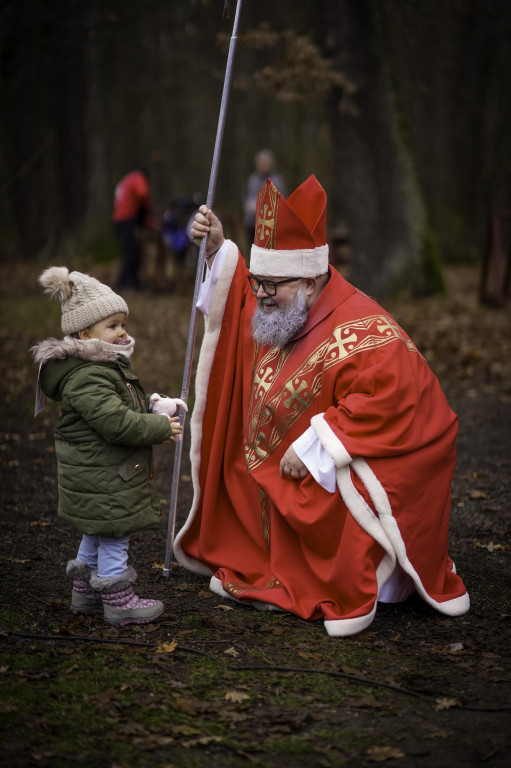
[120,622]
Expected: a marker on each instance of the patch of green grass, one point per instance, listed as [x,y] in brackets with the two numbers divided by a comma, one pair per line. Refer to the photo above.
[13,618]
[74,703]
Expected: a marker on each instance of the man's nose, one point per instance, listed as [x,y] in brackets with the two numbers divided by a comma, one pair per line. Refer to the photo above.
[261,293]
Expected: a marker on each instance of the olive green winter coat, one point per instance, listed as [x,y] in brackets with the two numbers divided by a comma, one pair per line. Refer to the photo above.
[103,437]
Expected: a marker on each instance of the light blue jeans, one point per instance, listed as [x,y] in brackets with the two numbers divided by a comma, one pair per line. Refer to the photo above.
[106,555]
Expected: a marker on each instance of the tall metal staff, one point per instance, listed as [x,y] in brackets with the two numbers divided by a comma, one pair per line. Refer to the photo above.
[198,281]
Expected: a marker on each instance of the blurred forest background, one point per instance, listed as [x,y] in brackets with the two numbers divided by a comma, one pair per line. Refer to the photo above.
[400,107]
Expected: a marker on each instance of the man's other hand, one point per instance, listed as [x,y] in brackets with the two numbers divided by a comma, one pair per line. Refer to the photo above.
[291,466]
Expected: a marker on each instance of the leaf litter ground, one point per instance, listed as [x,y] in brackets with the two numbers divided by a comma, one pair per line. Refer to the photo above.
[214,683]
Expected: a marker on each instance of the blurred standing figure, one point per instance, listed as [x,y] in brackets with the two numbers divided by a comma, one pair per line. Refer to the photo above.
[132,210]
[264,163]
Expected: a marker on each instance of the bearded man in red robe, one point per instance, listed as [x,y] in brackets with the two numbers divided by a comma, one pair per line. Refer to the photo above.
[323,447]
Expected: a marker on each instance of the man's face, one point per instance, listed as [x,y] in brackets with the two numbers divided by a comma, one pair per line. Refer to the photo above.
[278,318]
[284,297]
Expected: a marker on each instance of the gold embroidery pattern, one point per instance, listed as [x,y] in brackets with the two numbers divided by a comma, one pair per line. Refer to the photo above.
[263,431]
[367,333]
[264,506]
[260,413]
[266,220]
[237,588]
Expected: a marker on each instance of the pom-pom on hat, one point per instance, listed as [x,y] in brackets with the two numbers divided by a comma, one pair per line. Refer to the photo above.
[85,301]
[290,234]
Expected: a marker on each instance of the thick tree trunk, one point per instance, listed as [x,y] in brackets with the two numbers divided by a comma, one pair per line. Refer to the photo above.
[393,247]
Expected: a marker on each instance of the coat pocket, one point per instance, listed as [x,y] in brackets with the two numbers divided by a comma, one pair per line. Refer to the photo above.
[135,464]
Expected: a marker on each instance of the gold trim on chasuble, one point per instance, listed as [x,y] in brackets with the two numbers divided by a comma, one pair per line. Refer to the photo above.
[237,588]
[290,399]
[266,219]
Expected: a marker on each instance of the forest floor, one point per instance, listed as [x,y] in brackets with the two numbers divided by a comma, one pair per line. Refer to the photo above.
[213,683]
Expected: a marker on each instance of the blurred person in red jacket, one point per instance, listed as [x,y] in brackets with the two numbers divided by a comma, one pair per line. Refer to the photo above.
[132,212]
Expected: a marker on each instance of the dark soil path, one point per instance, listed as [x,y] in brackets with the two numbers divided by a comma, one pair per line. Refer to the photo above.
[242,687]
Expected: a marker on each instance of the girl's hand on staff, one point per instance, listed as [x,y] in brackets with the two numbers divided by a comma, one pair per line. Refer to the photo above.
[207,224]
[176,428]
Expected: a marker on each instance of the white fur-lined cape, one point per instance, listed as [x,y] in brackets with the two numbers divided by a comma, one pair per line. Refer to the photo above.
[213,325]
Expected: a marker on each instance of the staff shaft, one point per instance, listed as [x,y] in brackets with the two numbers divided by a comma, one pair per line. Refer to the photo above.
[198,281]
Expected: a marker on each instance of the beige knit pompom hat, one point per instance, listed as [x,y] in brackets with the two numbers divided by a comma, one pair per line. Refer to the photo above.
[85,301]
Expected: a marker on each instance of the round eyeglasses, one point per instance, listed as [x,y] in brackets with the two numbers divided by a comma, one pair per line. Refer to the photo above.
[269,286]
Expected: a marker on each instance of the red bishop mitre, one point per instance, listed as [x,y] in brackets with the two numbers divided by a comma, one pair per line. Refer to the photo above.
[290,234]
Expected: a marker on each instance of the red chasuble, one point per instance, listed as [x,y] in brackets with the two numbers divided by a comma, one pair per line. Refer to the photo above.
[355,376]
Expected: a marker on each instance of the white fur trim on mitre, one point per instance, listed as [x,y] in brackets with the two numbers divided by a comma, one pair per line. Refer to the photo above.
[300,262]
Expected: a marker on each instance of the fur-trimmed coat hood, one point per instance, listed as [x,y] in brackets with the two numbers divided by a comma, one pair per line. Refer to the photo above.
[69,346]
[71,353]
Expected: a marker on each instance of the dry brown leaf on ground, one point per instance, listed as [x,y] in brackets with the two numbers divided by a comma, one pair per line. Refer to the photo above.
[446,703]
[236,697]
[378,754]
[491,546]
[184,730]
[203,741]
[167,647]
[153,741]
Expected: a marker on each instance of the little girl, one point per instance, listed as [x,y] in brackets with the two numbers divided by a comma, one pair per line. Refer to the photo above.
[103,440]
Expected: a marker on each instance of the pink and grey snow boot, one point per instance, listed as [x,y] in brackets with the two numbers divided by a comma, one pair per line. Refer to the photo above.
[120,603]
[83,597]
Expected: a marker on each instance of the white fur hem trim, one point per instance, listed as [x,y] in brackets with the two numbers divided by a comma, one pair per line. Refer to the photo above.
[454,607]
[382,527]
[387,530]
[208,348]
[331,443]
[346,627]
[302,262]
[215,586]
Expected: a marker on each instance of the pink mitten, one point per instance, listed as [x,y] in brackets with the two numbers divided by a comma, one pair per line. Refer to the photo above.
[166,405]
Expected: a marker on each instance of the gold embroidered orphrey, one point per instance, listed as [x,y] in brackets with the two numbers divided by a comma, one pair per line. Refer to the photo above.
[237,588]
[264,432]
[266,218]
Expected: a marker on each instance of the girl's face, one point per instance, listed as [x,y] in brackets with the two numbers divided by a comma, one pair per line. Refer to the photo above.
[112,329]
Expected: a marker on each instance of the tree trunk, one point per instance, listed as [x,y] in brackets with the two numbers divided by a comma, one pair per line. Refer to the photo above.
[392,245]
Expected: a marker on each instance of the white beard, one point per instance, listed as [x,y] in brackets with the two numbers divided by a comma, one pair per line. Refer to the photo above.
[277,328]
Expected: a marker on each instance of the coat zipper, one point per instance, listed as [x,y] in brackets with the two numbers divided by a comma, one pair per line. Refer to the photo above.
[130,388]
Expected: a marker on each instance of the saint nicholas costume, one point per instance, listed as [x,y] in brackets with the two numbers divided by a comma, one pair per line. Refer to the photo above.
[350,386]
